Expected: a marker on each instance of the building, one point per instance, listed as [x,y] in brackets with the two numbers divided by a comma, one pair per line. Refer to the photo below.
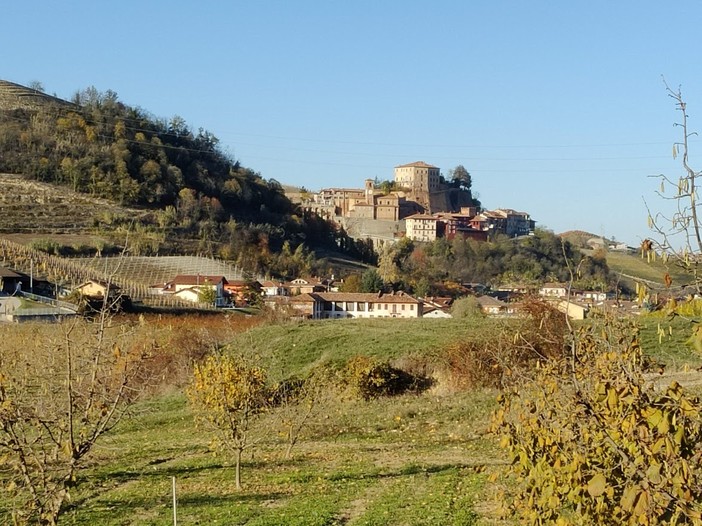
[188,287]
[322,305]
[418,177]
[554,290]
[423,227]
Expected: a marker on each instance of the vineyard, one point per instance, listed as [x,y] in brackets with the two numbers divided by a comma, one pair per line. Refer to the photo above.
[137,276]
[34,208]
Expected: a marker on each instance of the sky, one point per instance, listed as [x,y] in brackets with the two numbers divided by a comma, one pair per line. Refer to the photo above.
[557,109]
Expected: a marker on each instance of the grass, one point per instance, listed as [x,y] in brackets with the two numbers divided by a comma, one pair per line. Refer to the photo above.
[633,265]
[671,348]
[294,348]
[407,460]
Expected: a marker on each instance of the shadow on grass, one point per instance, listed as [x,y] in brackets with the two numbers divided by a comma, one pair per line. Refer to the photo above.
[126,475]
[106,507]
[412,469]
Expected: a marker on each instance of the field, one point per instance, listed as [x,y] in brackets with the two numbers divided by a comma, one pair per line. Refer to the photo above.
[630,266]
[408,460]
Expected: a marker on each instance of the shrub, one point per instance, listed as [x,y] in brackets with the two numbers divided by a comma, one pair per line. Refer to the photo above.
[509,353]
[369,378]
[592,442]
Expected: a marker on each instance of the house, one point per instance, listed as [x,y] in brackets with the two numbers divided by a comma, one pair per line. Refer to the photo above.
[574,310]
[592,295]
[554,290]
[98,289]
[494,307]
[434,312]
[423,227]
[437,307]
[242,292]
[274,288]
[418,176]
[189,286]
[11,282]
[307,285]
[322,305]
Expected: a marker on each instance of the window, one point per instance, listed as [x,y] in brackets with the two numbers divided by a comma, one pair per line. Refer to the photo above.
[370,306]
[360,306]
[349,306]
[411,307]
[403,306]
[339,305]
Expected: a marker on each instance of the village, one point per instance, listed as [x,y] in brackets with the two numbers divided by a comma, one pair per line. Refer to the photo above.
[419,204]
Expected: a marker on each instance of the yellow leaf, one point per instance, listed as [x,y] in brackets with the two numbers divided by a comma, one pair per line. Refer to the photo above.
[597,485]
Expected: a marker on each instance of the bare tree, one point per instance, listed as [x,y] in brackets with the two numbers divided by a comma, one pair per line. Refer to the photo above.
[679,233]
[57,399]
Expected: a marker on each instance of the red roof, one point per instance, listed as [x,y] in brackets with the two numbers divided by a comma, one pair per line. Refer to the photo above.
[197,279]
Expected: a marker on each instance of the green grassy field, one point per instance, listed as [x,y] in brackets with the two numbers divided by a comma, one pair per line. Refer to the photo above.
[634,265]
[410,460]
[418,459]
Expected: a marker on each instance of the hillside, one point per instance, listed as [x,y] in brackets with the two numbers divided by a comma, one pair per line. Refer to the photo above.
[33,209]
[95,171]
[14,96]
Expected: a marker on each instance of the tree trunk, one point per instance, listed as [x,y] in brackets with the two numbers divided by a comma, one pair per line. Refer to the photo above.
[238,469]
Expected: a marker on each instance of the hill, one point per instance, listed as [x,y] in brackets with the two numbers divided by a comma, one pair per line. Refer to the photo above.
[16,97]
[97,169]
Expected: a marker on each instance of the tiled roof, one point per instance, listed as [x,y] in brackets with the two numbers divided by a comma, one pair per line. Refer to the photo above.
[355,296]
[196,279]
[416,164]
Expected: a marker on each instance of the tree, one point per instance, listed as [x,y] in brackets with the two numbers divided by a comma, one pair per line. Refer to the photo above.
[57,400]
[207,295]
[592,441]
[352,283]
[296,401]
[460,177]
[228,394]
[467,307]
[36,85]
[371,281]
[680,232]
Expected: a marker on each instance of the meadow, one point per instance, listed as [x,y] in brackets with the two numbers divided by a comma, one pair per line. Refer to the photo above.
[411,459]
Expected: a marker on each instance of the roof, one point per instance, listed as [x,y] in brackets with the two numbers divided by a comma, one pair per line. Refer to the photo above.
[489,301]
[7,273]
[196,279]
[399,297]
[554,286]
[422,216]
[100,282]
[416,164]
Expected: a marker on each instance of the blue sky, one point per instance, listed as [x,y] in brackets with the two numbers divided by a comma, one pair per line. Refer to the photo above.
[556,108]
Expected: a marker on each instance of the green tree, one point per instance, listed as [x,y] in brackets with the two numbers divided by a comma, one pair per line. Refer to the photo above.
[228,394]
[467,307]
[371,281]
[352,283]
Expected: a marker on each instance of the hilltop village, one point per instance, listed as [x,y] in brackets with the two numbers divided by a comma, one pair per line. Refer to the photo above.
[418,204]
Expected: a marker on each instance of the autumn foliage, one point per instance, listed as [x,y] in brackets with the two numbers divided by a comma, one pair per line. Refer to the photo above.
[591,441]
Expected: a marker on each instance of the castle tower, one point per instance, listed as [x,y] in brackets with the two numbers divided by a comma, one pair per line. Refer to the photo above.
[370,186]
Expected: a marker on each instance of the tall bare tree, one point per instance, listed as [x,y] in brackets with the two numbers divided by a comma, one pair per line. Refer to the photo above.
[58,398]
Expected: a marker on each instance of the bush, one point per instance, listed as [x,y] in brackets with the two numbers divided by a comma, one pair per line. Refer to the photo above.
[368,378]
[592,442]
[510,353]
